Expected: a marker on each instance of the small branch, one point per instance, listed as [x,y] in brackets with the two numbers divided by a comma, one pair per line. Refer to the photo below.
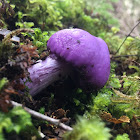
[128,36]
[136,62]
[43,117]
[124,56]
[11,35]
[41,134]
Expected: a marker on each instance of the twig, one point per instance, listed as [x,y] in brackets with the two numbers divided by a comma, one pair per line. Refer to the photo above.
[41,134]
[136,62]
[127,36]
[125,56]
[10,34]
[38,115]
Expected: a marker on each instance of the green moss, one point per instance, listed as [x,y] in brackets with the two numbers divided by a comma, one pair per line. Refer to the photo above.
[85,129]
[102,101]
[3,81]
[16,120]
[39,38]
[122,137]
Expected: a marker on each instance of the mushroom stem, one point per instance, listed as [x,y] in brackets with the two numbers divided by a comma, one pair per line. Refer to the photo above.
[44,73]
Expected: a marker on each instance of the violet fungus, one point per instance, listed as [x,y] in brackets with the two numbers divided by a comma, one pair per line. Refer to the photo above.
[72,50]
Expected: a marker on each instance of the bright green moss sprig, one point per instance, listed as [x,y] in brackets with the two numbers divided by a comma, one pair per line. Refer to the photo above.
[103,7]
[88,129]
[114,81]
[131,84]
[102,102]
[3,81]
[44,14]
[127,104]
[122,137]
[39,38]
[16,121]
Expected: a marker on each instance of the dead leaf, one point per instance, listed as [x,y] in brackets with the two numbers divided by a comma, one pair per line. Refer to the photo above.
[58,114]
[124,119]
[108,117]
[132,129]
[10,91]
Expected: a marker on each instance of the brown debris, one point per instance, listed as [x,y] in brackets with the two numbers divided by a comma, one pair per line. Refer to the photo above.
[6,12]
[108,117]
[4,106]
[4,32]
[132,129]
[58,114]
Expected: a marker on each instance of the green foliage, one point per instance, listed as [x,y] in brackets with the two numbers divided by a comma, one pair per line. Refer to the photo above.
[88,129]
[79,100]
[102,101]
[42,110]
[71,11]
[137,73]
[127,104]
[79,14]
[114,81]
[16,120]
[120,109]
[22,24]
[6,12]
[39,38]
[115,102]
[132,45]
[53,15]
[82,14]
[113,41]
[76,100]
[44,13]
[131,84]
[122,137]
[1,137]
[115,30]
[95,26]
[3,81]
[103,7]
[93,16]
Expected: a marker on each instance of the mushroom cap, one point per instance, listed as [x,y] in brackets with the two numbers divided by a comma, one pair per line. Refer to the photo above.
[84,51]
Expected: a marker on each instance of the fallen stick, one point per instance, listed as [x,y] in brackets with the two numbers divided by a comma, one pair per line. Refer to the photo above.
[117,56]
[127,36]
[38,115]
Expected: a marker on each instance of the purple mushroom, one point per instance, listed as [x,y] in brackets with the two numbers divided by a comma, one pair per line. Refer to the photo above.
[73,52]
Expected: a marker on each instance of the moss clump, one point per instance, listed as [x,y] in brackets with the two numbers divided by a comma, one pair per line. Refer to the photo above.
[122,137]
[88,129]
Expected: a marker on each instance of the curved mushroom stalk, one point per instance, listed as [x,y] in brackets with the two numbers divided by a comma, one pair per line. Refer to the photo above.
[44,73]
